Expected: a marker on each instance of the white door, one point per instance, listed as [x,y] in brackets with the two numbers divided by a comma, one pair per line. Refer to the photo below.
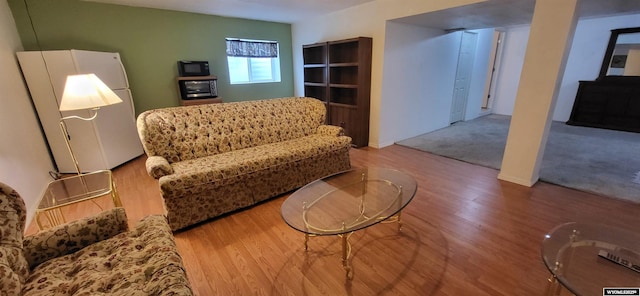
[463,76]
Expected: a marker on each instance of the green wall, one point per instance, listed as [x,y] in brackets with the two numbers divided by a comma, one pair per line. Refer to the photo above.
[150,42]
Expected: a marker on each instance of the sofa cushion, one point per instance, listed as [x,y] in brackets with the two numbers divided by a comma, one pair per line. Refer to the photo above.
[143,261]
[221,169]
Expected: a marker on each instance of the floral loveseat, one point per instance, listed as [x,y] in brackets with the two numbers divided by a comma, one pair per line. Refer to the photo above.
[92,256]
[215,158]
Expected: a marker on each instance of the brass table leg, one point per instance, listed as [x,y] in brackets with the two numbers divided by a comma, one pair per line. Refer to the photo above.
[114,196]
[553,287]
[346,253]
[54,217]
[395,219]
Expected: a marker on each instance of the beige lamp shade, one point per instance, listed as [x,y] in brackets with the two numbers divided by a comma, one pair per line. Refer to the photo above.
[86,91]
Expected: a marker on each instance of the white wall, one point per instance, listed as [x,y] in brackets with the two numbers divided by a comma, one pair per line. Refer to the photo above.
[24,160]
[419,71]
[587,50]
[515,45]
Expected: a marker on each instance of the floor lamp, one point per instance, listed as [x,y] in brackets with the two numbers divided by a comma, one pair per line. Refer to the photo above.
[84,92]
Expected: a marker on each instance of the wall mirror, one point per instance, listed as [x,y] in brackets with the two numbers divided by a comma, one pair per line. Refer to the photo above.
[622,57]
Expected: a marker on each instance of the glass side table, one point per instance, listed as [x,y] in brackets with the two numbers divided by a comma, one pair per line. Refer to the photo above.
[582,258]
[74,189]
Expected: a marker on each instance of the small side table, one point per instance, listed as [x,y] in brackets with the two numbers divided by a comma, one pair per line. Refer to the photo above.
[74,189]
[580,257]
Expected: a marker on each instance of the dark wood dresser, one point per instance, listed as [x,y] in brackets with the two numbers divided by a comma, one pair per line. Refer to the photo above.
[611,102]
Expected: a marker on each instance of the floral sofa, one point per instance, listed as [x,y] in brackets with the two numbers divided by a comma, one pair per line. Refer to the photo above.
[216,158]
[92,256]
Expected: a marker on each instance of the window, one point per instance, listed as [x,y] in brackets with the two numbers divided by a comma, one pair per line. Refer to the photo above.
[252,61]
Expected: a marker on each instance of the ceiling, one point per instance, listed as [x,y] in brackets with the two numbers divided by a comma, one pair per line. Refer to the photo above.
[284,11]
[505,13]
[488,14]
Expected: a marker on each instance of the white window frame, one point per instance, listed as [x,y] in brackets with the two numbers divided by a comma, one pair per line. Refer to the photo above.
[275,67]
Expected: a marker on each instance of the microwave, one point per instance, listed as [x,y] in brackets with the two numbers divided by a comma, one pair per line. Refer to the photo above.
[193,68]
[198,89]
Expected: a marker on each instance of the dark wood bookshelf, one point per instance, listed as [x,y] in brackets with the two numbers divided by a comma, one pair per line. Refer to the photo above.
[338,73]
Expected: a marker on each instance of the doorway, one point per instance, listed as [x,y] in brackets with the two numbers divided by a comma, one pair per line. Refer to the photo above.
[492,72]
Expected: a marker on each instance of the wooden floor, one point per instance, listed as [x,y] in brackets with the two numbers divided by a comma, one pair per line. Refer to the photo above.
[465,233]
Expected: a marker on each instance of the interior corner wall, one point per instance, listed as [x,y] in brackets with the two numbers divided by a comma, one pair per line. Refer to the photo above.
[151,41]
[24,159]
[419,73]
[584,61]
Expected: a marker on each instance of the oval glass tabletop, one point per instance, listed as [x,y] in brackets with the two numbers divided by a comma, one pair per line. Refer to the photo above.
[586,258]
[348,201]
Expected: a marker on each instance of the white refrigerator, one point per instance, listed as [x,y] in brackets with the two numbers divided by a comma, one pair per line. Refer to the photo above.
[104,143]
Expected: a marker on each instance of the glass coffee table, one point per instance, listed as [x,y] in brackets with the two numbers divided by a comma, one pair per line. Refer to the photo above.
[587,259]
[346,202]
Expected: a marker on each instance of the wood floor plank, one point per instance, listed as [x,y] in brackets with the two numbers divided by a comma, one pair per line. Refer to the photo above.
[465,233]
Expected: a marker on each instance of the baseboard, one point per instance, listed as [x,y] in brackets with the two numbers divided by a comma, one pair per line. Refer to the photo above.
[517,180]
[485,112]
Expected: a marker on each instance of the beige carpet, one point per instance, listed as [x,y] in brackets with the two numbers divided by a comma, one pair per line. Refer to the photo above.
[601,161]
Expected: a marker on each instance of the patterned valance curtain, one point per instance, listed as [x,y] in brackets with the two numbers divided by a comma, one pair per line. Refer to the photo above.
[252,49]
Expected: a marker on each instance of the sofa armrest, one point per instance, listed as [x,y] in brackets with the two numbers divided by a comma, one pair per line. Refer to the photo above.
[158,166]
[73,236]
[330,130]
